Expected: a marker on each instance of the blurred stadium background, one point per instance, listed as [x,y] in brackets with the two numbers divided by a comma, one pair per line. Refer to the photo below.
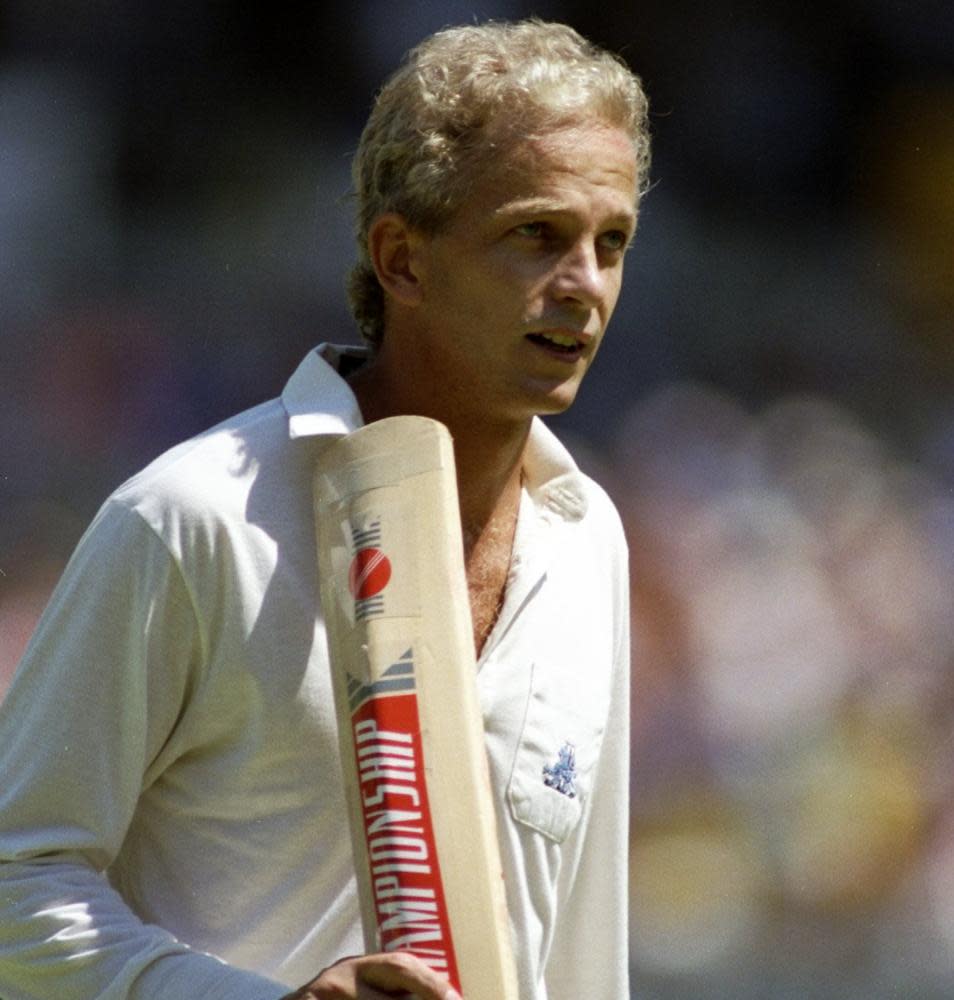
[772,411]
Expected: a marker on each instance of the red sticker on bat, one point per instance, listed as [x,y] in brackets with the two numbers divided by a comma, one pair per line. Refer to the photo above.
[410,908]
[370,573]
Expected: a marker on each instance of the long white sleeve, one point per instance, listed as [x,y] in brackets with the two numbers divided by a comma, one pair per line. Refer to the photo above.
[82,732]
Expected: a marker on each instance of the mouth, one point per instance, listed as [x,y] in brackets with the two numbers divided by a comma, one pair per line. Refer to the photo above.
[558,343]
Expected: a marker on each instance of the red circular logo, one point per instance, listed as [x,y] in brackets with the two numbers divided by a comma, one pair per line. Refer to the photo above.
[369,574]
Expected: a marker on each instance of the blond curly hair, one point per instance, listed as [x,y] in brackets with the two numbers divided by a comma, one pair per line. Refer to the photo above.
[456,99]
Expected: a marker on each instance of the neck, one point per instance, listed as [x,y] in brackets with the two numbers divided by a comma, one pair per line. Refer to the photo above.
[488,479]
[488,455]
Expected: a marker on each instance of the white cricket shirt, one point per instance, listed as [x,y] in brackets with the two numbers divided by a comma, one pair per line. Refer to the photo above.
[171,821]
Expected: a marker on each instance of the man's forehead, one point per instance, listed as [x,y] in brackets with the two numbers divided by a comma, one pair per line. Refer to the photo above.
[537,172]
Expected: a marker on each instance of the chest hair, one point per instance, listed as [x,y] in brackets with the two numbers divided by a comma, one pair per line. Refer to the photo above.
[487,558]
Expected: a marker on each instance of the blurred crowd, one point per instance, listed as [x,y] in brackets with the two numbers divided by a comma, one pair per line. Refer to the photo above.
[793,705]
[773,410]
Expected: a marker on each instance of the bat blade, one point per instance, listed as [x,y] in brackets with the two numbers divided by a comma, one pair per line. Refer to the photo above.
[397,615]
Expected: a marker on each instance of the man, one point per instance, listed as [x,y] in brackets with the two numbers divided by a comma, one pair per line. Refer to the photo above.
[171,818]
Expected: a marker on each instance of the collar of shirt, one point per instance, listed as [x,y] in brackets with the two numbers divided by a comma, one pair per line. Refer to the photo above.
[319,401]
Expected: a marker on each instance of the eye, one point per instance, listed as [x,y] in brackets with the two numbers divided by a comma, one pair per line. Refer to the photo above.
[615,239]
[534,230]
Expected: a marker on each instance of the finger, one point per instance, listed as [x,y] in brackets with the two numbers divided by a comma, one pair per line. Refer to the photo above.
[402,971]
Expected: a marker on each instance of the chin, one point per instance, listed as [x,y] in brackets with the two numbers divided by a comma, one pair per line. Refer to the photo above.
[533,399]
[555,402]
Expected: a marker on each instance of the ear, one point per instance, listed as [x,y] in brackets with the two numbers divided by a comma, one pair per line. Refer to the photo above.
[394,249]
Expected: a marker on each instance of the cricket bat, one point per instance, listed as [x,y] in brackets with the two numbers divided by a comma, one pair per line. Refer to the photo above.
[395,601]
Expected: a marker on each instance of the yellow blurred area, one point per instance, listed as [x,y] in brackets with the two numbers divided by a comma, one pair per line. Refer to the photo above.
[697,885]
[856,819]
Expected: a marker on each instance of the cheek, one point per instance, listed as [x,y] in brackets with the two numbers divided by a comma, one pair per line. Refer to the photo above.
[535,284]
[512,292]
[479,284]
[614,286]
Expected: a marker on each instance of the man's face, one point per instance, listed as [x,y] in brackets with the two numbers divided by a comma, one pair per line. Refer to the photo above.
[518,288]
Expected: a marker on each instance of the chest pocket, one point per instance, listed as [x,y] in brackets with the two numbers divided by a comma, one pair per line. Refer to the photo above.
[557,753]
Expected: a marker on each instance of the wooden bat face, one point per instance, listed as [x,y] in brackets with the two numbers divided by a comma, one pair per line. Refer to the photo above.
[394,597]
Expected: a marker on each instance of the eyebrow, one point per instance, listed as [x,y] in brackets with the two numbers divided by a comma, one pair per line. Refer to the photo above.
[547,206]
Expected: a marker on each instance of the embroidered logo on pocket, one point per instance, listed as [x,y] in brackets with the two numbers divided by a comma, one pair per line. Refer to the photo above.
[561,776]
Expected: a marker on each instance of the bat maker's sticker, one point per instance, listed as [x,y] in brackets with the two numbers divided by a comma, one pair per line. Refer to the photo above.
[370,570]
[409,903]
[377,558]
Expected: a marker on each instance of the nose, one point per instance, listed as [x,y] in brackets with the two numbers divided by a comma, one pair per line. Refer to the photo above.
[579,278]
